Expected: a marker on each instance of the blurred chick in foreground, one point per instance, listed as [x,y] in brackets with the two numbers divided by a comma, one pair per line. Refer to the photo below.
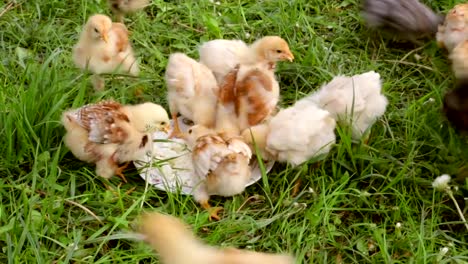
[408,19]
[192,91]
[175,243]
[122,7]
[295,135]
[355,101]
[222,55]
[248,97]
[108,133]
[104,47]
[221,165]
[454,29]
[456,105]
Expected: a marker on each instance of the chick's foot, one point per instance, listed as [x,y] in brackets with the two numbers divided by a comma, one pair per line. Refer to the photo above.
[213,211]
[119,171]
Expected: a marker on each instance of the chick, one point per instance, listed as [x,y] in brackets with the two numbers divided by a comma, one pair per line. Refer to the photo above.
[108,133]
[222,55]
[192,91]
[248,97]
[104,47]
[454,29]
[408,19]
[459,58]
[221,165]
[175,243]
[456,105]
[294,135]
[122,7]
[354,101]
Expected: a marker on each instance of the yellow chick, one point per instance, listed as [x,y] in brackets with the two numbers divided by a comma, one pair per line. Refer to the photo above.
[248,97]
[294,135]
[108,133]
[221,165]
[104,47]
[222,55]
[455,29]
[192,91]
[122,7]
[459,58]
[175,243]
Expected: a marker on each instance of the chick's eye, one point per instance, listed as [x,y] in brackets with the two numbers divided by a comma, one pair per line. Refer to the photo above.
[279,51]
[96,30]
[163,123]
[190,131]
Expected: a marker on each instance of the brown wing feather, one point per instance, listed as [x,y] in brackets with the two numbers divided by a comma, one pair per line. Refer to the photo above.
[226,92]
[102,120]
[248,89]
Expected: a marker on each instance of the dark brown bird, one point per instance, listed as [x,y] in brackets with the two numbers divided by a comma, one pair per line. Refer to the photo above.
[406,19]
[456,105]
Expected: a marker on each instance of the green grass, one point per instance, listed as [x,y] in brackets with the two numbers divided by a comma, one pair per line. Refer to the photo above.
[359,192]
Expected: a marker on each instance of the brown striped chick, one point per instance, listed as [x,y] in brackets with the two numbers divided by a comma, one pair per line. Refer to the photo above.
[222,55]
[192,91]
[221,165]
[251,94]
[454,29]
[108,133]
[175,243]
[122,7]
[104,47]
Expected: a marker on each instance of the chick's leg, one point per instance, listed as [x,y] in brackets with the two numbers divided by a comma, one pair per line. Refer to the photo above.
[176,132]
[213,211]
[119,171]
[98,82]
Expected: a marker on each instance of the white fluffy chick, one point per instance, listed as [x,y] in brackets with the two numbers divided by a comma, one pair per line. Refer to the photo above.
[104,47]
[122,7]
[222,55]
[192,91]
[294,135]
[175,243]
[356,101]
[108,133]
[221,165]
[455,28]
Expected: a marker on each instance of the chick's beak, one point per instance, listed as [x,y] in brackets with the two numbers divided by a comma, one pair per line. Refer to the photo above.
[105,37]
[289,56]
[166,128]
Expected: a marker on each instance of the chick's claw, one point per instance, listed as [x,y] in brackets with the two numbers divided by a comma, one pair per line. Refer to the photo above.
[119,171]
[212,211]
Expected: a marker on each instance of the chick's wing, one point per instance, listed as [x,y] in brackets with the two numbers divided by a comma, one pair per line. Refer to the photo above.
[208,152]
[104,121]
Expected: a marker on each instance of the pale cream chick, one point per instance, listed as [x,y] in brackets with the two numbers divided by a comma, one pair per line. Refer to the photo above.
[104,47]
[122,7]
[222,55]
[108,133]
[355,101]
[175,243]
[192,91]
[295,135]
[221,165]
[455,28]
